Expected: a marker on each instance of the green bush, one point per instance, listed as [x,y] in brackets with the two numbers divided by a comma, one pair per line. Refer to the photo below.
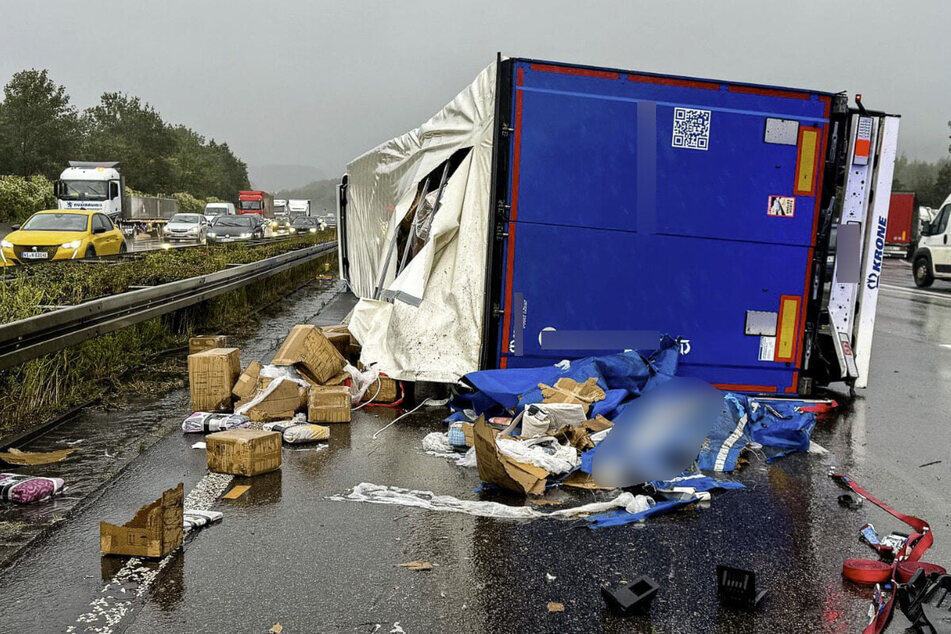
[20,197]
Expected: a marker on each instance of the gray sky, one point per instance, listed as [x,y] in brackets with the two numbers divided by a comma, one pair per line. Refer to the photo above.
[317,83]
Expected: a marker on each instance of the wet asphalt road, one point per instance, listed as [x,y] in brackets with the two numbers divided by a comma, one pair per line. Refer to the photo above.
[285,553]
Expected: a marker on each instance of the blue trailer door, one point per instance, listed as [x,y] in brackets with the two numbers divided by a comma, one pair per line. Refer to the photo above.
[650,203]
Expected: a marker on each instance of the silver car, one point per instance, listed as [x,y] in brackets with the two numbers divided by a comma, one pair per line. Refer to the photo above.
[186,227]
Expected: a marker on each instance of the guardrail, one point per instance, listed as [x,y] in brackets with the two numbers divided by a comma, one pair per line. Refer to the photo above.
[35,336]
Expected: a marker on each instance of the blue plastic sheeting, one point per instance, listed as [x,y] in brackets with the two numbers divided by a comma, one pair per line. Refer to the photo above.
[696,481]
[781,427]
[622,376]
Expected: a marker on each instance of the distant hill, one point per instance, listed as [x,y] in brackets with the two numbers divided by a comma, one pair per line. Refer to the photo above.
[272,178]
[321,193]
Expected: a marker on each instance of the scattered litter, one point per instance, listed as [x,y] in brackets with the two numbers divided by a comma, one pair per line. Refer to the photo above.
[298,431]
[567,390]
[279,400]
[737,588]
[75,442]
[201,444]
[24,458]
[416,565]
[399,630]
[276,628]
[377,494]
[109,455]
[544,451]
[631,598]
[928,464]
[24,489]
[550,577]
[847,501]
[195,519]
[236,492]
[816,448]
[210,422]
[155,531]
[437,444]
[554,606]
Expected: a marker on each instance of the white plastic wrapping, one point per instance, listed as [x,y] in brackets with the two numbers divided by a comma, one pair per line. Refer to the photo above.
[431,327]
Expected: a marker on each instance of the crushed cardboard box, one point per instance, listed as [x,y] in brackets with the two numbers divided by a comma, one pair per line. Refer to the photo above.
[244,452]
[201,343]
[350,348]
[568,390]
[579,436]
[581,480]
[309,350]
[276,399]
[329,404]
[497,468]
[155,531]
[211,377]
[247,382]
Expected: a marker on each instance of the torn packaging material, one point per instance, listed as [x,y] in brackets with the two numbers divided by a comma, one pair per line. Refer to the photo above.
[280,400]
[211,377]
[307,348]
[567,390]
[155,531]
[24,489]
[294,433]
[506,472]
[24,458]
[329,404]
[244,452]
[201,343]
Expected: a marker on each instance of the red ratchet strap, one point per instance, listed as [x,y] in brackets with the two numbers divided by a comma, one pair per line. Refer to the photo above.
[918,542]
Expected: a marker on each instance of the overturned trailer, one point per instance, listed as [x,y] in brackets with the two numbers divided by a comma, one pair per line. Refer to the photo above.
[555,211]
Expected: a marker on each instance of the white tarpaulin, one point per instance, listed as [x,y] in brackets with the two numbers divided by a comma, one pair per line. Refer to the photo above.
[427,323]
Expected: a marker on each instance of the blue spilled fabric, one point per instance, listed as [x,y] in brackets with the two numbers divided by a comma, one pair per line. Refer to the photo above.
[696,481]
[621,517]
[780,427]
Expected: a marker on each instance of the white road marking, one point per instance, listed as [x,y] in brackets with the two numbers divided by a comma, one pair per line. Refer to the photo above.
[134,579]
[914,292]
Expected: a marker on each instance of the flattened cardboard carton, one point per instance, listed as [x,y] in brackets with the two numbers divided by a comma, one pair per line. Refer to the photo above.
[245,452]
[330,404]
[201,343]
[497,468]
[247,382]
[568,390]
[211,377]
[308,349]
[155,531]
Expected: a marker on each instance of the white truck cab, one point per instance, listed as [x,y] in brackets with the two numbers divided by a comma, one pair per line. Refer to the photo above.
[932,259]
[90,185]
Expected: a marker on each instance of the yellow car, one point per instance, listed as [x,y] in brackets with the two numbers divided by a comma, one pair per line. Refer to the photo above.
[61,234]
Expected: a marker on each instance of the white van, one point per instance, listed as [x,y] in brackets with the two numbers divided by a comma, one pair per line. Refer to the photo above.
[932,259]
[218,209]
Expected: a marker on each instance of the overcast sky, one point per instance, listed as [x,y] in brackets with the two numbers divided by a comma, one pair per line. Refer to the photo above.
[317,83]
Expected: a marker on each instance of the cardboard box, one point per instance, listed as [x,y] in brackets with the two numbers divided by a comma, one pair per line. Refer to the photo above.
[329,404]
[211,377]
[206,342]
[308,349]
[245,452]
[155,531]
[280,403]
[497,468]
[244,388]
[385,389]
[350,348]
[568,390]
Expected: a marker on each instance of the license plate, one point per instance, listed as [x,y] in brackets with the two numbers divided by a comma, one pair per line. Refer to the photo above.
[34,255]
[226,240]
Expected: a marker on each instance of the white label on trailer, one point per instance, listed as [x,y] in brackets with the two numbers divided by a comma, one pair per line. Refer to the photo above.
[782,206]
[767,348]
[781,131]
[760,322]
[691,129]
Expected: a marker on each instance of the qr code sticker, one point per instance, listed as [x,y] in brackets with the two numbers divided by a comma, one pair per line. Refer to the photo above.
[691,128]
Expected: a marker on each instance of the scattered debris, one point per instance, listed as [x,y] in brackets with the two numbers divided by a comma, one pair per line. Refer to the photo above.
[24,458]
[416,565]
[246,452]
[554,606]
[550,577]
[210,422]
[201,444]
[928,464]
[155,531]
[329,404]
[567,390]
[308,349]
[202,343]
[24,489]
[296,432]
[236,492]
[847,501]
[195,519]
[631,598]
[276,628]
[737,588]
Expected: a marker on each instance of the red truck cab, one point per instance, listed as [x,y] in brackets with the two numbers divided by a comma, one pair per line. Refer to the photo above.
[256,202]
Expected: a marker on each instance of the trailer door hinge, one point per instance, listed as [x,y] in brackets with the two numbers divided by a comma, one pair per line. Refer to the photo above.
[500,233]
[502,211]
[506,130]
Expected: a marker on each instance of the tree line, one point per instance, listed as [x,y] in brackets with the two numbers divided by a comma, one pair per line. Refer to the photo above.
[40,130]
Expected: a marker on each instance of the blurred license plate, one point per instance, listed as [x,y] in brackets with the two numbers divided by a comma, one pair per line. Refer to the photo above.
[34,255]
[227,239]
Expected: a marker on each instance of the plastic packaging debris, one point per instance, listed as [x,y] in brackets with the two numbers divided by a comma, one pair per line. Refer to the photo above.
[437,444]
[545,452]
[457,437]
[200,445]
[194,519]
[631,598]
[737,588]
[538,419]
[23,458]
[378,494]
[280,400]
[295,432]
[208,422]
[360,381]
[155,531]
[24,489]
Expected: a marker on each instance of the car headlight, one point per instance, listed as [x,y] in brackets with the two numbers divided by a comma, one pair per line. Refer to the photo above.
[313,230]
[71,245]
[6,244]
[212,234]
[293,230]
[245,235]
[274,224]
